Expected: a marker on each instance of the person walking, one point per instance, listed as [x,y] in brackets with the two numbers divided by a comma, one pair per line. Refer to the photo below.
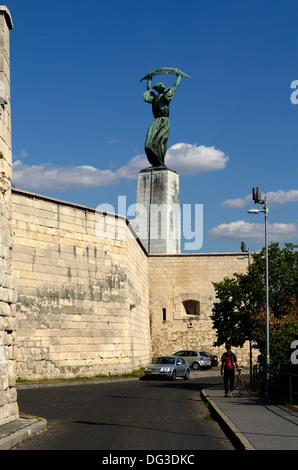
[228,363]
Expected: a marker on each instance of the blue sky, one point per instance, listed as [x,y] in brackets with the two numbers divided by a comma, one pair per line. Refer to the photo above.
[79,120]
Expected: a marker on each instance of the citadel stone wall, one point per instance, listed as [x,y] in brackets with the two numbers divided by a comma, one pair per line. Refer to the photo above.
[82,306]
[91,301]
[176,279]
[8,396]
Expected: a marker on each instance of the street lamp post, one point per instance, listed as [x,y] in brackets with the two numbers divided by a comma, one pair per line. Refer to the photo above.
[245,250]
[257,198]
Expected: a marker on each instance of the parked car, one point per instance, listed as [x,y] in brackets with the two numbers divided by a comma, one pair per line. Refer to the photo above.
[195,359]
[168,366]
[214,359]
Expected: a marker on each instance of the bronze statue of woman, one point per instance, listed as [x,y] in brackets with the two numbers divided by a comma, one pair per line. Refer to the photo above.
[158,133]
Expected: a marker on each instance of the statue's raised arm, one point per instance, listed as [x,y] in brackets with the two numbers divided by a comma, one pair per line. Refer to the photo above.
[149,94]
[170,91]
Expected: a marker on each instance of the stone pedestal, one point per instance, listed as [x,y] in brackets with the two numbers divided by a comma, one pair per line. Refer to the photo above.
[158,211]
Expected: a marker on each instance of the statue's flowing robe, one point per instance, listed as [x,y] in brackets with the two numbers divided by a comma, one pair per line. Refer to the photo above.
[158,133]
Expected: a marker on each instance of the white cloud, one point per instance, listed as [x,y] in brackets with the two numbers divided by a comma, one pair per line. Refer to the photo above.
[253,231]
[237,203]
[22,154]
[281,197]
[189,159]
[184,158]
[130,171]
[277,197]
[48,176]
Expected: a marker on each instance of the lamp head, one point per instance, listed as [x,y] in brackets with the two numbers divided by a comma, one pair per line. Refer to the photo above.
[253,211]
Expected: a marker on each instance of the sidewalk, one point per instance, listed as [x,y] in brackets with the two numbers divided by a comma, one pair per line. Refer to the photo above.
[20,429]
[252,423]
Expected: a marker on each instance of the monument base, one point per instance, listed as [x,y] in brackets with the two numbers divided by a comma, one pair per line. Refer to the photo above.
[158,210]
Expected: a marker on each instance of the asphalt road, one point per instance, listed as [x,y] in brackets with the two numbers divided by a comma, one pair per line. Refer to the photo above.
[129,415]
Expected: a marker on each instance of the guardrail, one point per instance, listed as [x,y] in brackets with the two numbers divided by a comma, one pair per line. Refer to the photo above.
[285,384]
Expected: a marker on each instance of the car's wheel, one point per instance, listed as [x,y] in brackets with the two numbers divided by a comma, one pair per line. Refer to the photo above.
[196,366]
[174,375]
[186,377]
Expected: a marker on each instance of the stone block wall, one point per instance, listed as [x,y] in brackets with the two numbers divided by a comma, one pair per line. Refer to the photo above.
[82,289]
[8,396]
[158,211]
[92,301]
[176,279]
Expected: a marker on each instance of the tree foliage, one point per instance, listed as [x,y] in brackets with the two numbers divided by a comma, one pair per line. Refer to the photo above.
[239,313]
[283,330]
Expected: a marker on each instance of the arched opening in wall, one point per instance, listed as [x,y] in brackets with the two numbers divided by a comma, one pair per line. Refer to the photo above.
[192,307]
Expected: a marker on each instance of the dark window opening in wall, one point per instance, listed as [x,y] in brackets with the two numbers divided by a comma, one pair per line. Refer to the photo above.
[192,307]
[164,314]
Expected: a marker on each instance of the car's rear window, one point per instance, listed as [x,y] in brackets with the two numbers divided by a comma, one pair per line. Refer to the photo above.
[204,354]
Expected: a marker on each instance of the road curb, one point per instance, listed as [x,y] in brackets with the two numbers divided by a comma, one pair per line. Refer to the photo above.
[73,383]
[240,441]
[19,430]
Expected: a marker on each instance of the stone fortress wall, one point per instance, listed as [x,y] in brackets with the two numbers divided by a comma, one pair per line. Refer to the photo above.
[175,280]
[89,302]
[82,306]
[8,397]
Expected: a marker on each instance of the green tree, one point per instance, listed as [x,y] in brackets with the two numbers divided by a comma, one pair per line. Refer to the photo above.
[232,313]
[283,330]
[283,276]
[239,312]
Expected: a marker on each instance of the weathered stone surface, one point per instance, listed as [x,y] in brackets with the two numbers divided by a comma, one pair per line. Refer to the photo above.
[8,398]
[176,279]
[158,211]
[82,303]
[92,303]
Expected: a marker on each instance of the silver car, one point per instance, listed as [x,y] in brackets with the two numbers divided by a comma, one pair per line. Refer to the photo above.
[195,359]
[168,366]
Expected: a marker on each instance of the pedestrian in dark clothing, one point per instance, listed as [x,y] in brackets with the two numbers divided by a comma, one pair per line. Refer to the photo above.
[228,363]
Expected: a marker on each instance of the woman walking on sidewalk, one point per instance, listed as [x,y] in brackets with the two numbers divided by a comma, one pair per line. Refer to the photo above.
[228,363]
